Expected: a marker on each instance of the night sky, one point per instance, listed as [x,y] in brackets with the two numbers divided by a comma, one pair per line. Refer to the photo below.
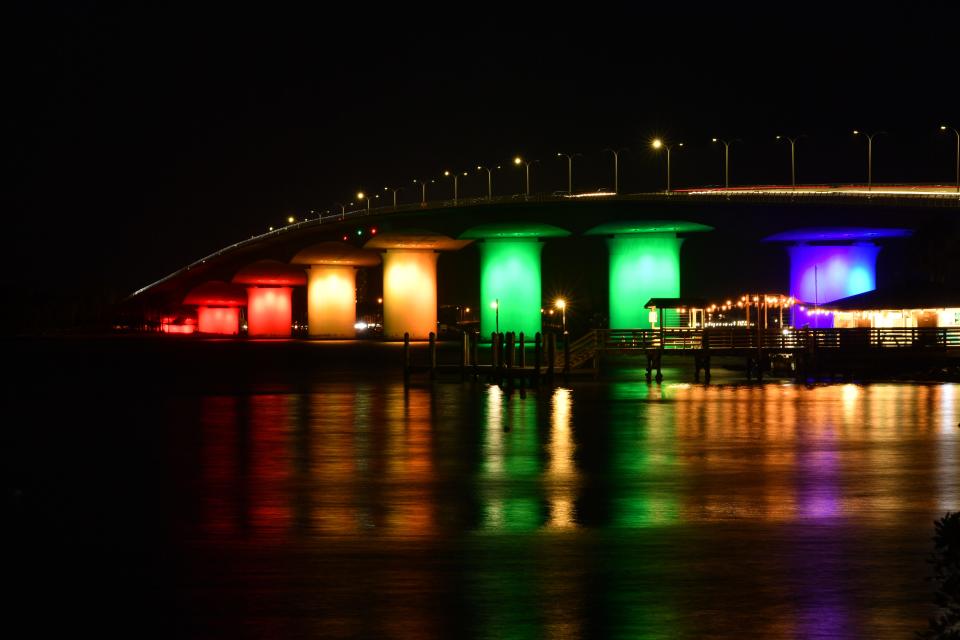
[139,139]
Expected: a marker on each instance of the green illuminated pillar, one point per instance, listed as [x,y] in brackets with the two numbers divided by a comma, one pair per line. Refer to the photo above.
[641,267]
[644,264]
[510,275]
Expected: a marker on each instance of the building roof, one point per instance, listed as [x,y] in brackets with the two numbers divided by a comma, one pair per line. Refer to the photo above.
[631,227]
[675,303]
[837,234]
[217,293]
[337,253]
[271,273]
[515,230]
[923,295]
[415,239]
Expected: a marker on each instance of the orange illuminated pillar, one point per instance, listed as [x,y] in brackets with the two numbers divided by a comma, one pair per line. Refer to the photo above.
[410,280]
[332,286]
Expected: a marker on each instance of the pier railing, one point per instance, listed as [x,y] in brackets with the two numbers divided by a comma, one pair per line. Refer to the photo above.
[738,339]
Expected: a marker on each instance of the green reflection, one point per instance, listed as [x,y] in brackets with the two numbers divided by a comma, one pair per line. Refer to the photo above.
[644,463]
[510,468]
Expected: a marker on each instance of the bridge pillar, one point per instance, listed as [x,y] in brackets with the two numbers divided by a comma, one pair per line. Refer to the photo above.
[332,286]
[644,264]
[828,264]
[410,280]
[510,284]
[269,297]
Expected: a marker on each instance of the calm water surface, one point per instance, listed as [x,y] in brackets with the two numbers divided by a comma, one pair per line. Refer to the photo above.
[343,505]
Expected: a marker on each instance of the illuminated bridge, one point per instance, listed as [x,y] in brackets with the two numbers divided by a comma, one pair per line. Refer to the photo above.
[607,253]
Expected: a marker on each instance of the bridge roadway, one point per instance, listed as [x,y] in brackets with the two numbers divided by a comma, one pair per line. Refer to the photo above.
[818,203]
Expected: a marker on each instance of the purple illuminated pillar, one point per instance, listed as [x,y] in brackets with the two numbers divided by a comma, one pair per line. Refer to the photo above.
[823,273]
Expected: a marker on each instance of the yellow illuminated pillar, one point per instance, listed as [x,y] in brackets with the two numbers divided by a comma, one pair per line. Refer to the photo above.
[332,301]
[410,280]
[409,293]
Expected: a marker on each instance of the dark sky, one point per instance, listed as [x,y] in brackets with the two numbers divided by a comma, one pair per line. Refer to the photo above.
[141,138]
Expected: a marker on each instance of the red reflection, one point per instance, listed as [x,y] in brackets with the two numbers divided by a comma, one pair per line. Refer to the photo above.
[269,311]
[219,320]
[270,463]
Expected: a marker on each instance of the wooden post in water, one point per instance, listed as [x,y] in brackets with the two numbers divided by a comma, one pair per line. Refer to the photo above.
[510,352]
[523,351]
[537,357]
[406,358]
[551,355]
[474,340]
[705,345]
[433,354]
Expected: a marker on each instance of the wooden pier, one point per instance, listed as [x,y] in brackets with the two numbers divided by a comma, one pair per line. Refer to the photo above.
[812,352]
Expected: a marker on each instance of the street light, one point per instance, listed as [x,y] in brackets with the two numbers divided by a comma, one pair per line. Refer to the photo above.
[423,185]
[660,144]
[726,159]
[944,127]
[562,305]
[520,161]
[363,196]
[489,180]
[569,157]
[616,168]
[793,157]
[455,187]
[394,194]
[870,137]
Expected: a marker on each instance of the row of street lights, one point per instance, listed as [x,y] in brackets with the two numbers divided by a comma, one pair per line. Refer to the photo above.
[657,144]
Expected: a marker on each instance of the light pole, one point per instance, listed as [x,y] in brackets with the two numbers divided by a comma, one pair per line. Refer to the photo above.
[520,161]
[394,194]
[562,305]
[726,159]
[569,157]
[944,127]
[363,196]
[423,185]
[616,168]
[870,137]
[343,209]
[793,157]
[660,144]
[495,305]
[456,188]
[489,180]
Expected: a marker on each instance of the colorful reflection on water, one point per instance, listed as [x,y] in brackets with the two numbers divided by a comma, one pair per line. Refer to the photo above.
[610,508]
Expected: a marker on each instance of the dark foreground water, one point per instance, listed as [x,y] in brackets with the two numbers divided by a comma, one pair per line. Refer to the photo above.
[285,490]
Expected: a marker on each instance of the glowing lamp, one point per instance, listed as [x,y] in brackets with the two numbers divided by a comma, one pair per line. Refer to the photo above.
[269,296]
[332,287]
[830,263]
[510,273]
[218,307]
[410,280]
[644,264]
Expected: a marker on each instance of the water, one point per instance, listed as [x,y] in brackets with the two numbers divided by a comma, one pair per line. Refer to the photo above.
[277,490]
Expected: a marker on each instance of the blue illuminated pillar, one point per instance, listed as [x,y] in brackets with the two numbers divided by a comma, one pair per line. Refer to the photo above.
[823,273]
